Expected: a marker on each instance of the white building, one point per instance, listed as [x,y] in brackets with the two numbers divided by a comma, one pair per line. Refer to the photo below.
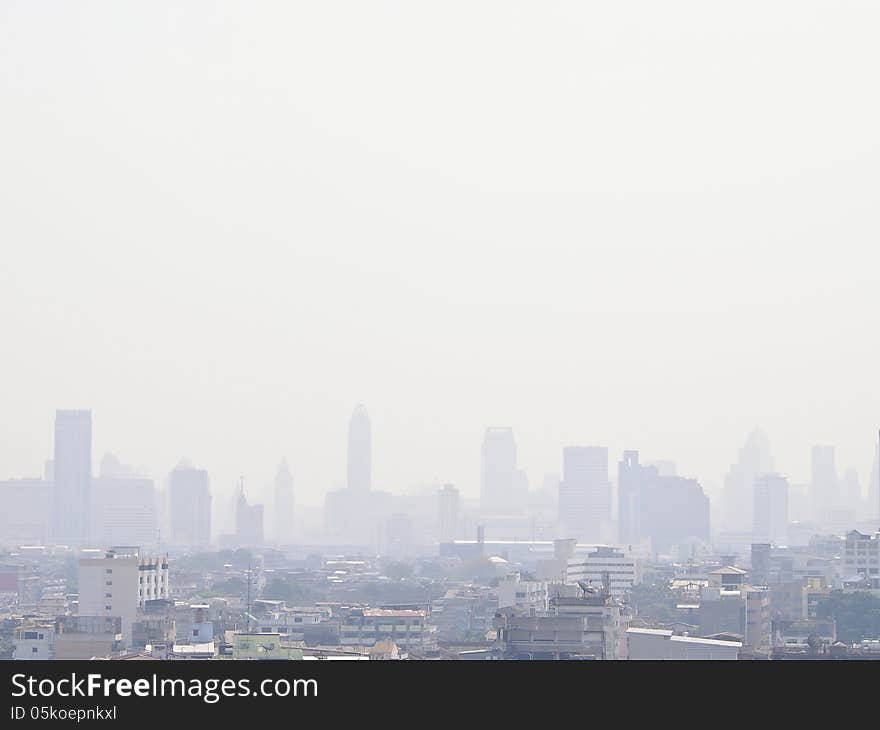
[663,644]
[623,568]
[529,594]
[35,642]
[861,559]
[118,583]
[408,628]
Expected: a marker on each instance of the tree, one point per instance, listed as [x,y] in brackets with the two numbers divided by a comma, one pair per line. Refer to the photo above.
[857,614]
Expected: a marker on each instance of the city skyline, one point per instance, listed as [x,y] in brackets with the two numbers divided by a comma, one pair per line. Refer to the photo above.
[619,261]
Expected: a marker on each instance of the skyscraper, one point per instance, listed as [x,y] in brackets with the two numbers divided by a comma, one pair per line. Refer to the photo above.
[672,511]
[189,505]
[585,493]
[736,500]
[770,509]
[283,503]
[448,498]
[248,521]
[499,481]
[73,476]
[630,475]
[360,450]
[824,483]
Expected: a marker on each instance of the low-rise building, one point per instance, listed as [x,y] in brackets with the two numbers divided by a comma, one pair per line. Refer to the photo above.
[664,644]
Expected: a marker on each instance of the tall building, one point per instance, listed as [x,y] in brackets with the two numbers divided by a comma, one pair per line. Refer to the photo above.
[630,475]
[585,493]
[73,476]
[360,450]
[501,483]
[123,511]
[27,509]
[448,498]
[736,497]
[770,509]
[824,483]
[674,510]
[874,488]
[283,503]
[248,521]
[189,506]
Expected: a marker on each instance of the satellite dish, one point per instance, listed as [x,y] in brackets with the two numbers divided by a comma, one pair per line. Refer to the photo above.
[586,587]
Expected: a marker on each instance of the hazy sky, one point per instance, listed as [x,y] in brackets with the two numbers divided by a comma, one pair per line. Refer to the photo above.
[640,224]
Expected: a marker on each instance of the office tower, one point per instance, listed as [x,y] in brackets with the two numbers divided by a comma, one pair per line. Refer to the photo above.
[449,499]
[189,506]
[360,446]
[630,475]
[26,512]
[873,511]
[824,483]
[123,512]
[500,484]
[248,521]
[770,509]
[283,503]
[736,498]
[73,475]
[584,493]
[850,494]
[673,511]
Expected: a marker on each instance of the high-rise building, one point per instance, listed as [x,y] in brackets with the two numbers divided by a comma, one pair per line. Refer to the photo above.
[73,476]
[283,503]
[124,512]
[189,506]
[448,498]
[27,509]
[874,488]
[736,498]
[360,449]
[771,509]
[674,510]
[501,482]
[824,483]
[248,522]
[585,493]
[630,475]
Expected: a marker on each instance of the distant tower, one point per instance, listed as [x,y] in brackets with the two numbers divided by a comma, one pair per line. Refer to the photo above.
[448,513]
[283,502]
[248,521]
[630,476]
[737,497]
[73,477]
[189,505]
[360,450]
[499,479]
[770,509]
[824,482]
[584,493]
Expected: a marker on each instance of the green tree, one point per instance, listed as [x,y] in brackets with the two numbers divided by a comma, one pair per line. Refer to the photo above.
[857,614]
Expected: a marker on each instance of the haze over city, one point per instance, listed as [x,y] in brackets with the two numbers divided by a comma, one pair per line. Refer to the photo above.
[437,331]
[636,225]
